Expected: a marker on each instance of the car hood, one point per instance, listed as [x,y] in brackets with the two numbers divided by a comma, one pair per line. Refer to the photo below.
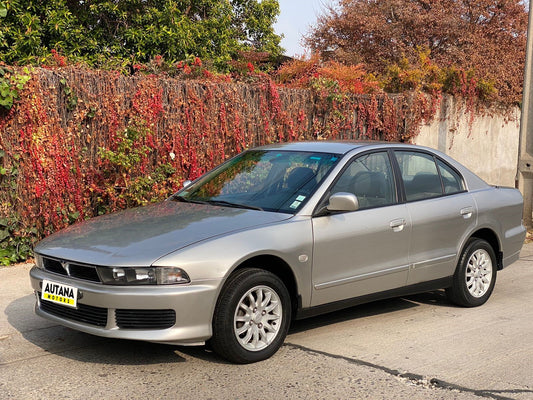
[139,236]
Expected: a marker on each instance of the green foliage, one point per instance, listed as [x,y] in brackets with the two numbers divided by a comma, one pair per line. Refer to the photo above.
[126,185]
[15,241]
[8,174]
[486,89]
[422,75]
[327,88]
[425,75]
[11,85]
[72,99]
[129,152]
[119,33]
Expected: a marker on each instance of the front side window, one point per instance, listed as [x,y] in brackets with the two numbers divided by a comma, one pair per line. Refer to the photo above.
[271,180]
[370,178]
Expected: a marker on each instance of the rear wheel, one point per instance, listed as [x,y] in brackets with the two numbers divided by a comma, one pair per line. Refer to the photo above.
[475,275]
[252,316]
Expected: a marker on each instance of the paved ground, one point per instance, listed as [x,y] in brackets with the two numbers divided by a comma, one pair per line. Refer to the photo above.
[419,347]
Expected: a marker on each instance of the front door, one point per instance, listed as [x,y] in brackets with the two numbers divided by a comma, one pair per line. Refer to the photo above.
[364,251]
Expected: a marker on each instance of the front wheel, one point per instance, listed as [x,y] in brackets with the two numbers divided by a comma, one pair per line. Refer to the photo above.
[252,316]
[475,275]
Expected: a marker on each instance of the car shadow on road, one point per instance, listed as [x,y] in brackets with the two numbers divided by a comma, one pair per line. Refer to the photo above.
[435,298]
[58,340]
[65,342]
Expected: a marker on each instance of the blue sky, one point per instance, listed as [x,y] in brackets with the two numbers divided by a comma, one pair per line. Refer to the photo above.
[294,20]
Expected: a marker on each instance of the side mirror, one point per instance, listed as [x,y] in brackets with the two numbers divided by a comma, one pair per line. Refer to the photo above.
[343,201]
[186,183]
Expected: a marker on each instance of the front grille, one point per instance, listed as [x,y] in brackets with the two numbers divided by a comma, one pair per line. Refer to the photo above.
[85,272]
[54,266]
[83,313]
[80,271]
[145,319]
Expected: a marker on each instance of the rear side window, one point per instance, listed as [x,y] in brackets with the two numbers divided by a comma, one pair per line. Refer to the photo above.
[423,178]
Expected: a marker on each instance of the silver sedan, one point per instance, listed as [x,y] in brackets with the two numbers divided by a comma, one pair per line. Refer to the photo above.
[277,233]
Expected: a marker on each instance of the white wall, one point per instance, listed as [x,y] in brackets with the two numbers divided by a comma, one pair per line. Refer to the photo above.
[487,145]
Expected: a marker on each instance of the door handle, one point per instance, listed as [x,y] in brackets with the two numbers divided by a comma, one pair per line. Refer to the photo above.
[397,225]
[467,212]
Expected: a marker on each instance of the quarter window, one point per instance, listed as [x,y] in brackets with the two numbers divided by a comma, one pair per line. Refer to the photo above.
[370,178]
[453,183]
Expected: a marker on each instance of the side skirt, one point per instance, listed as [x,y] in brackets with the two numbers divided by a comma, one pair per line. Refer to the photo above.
[308,312]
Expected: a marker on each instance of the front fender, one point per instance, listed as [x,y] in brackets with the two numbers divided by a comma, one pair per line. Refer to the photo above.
[217,258]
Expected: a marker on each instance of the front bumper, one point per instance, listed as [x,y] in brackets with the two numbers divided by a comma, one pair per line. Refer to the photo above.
[193,305]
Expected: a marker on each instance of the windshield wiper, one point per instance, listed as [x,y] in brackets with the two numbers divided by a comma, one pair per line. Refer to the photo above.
[230,204]
[185,200]
[216,203]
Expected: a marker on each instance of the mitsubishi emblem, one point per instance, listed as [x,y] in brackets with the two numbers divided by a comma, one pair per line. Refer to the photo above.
[65,266]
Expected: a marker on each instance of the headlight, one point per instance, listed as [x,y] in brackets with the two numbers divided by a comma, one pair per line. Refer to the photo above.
[142,275]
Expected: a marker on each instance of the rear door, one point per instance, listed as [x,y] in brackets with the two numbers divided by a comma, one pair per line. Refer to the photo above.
[441,212]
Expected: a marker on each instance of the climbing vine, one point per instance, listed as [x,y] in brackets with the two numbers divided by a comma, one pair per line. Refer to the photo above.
[78,143]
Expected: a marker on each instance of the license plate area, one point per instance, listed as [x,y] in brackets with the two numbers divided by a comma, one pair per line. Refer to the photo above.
[59,293]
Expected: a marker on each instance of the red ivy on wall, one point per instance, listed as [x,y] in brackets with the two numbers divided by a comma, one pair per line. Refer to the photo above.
[85,142]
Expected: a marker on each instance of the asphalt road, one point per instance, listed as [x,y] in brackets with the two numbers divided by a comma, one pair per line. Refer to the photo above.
[418,347]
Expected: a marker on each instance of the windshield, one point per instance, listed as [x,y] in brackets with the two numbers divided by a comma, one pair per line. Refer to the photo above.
[280,181]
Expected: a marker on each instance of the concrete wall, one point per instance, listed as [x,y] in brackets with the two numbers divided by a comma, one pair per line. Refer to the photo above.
[487,145]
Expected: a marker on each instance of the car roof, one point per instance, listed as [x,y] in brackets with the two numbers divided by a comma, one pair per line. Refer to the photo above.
[337,147]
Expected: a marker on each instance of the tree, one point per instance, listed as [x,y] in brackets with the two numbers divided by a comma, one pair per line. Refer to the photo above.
[97,31]
[486,36]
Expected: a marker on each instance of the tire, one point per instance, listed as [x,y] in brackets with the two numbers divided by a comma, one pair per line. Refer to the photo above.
[252,316]
[475,275]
